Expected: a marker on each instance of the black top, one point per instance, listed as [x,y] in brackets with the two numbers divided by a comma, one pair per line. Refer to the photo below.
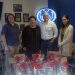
[31,37]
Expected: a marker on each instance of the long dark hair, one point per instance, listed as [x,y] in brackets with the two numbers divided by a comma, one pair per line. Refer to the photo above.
[62,25]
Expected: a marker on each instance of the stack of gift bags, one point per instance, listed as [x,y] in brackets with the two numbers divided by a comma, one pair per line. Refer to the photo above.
[54,65]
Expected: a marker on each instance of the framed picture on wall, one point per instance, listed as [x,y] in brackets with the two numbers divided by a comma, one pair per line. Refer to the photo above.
[25,17]
[5,15]
[17,7]
[22,26]
[17,17]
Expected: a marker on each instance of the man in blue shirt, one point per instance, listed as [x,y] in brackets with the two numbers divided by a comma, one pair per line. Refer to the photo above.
[10,35]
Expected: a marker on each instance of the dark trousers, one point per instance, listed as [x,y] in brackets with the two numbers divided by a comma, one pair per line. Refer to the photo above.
[45,47]
[31,51]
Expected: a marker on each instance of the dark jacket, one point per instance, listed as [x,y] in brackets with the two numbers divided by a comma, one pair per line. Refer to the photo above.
[31,37]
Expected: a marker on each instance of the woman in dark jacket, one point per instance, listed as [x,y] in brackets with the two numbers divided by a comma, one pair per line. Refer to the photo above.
[31,38]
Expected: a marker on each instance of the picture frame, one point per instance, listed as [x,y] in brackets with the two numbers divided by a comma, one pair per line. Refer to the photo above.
[5,15]
[25,17]
[17,7]
[17,17]
[22,27]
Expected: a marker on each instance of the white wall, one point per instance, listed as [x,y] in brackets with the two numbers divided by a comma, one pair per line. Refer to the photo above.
[28,6]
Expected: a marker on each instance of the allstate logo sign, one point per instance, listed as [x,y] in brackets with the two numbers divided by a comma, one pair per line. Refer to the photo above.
[51,13]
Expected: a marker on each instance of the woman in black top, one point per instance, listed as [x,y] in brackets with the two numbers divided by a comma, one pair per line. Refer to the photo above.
[31,38]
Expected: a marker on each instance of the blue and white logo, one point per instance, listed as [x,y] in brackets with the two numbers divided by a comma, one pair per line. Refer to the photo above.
[51,13]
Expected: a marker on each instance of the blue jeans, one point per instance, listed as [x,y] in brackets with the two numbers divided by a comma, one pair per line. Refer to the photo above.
[46,46]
